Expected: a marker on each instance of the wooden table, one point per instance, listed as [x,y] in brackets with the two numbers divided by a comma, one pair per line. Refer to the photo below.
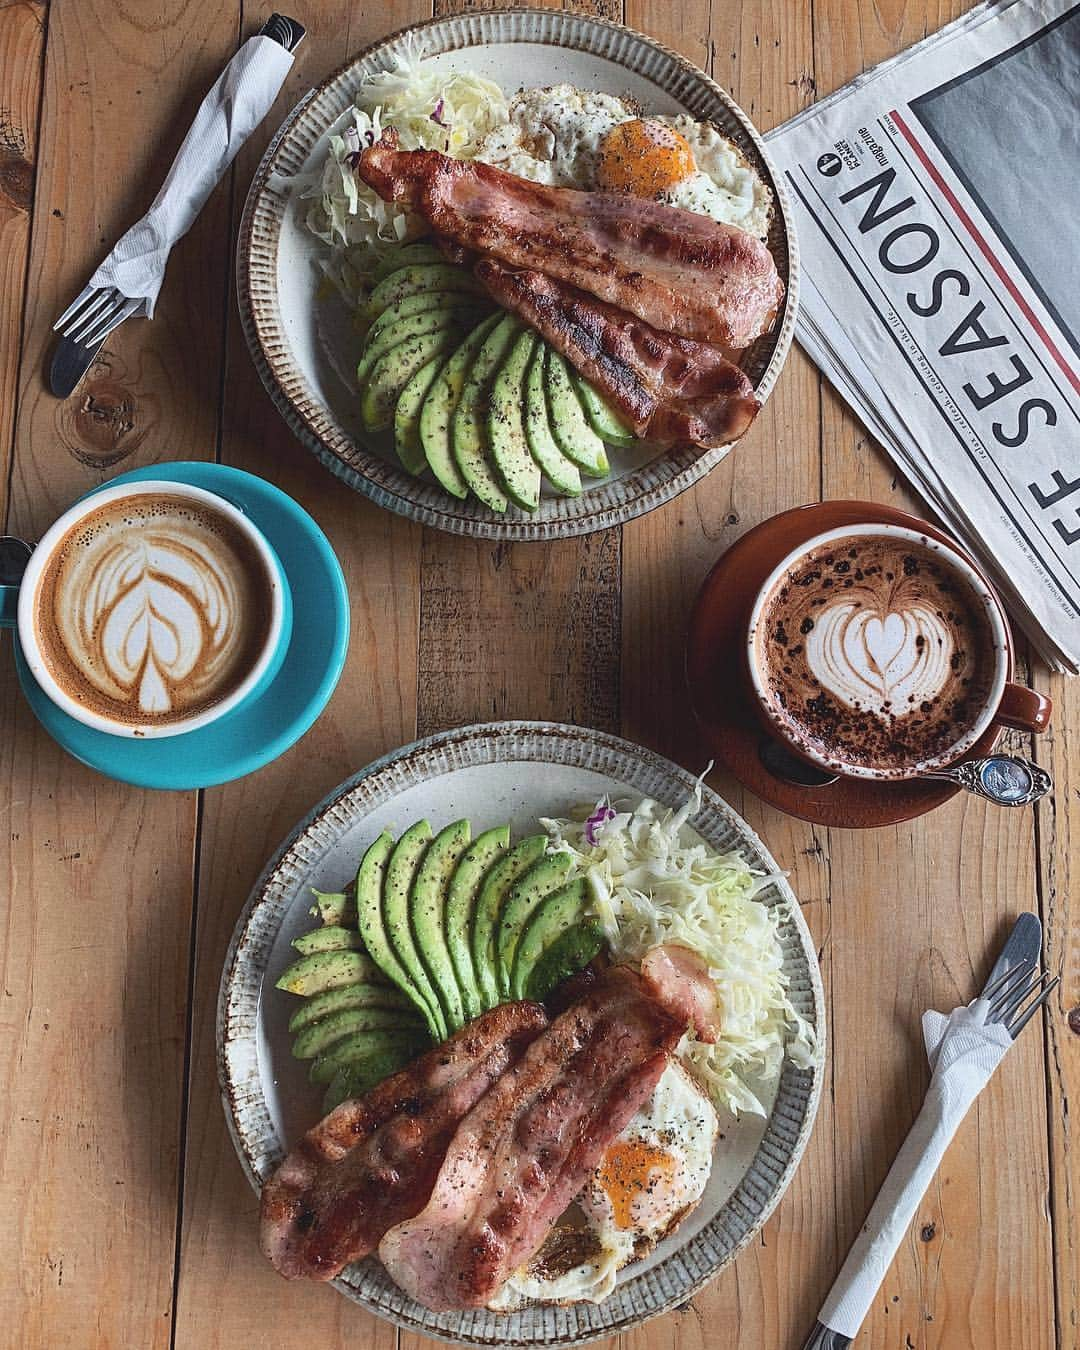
[127,1221]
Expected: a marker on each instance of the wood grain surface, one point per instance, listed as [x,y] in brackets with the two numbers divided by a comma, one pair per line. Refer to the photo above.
[128,1220]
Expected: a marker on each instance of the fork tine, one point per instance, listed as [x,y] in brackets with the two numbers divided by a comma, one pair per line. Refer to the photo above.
[1025,1017]
[1007,974]
[1006,1005]
[1007,986]
[87,293]
[106,323]
[104,305]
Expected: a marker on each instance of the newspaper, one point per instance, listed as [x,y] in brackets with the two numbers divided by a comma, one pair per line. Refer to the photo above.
[937,201]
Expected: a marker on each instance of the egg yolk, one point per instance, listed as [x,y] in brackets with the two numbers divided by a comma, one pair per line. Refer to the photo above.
[643,158]
[628,1171]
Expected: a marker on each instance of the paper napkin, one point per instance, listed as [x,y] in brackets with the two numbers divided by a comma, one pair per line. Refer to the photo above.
[963,1052]
[227,116]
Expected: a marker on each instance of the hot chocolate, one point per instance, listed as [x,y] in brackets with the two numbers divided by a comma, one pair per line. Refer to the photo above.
[152,609]
[875,652]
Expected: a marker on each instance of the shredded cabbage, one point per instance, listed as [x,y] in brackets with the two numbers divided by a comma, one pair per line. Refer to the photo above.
[650,886]
[430,111]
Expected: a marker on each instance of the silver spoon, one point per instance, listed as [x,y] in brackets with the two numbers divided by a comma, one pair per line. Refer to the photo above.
[1006,780]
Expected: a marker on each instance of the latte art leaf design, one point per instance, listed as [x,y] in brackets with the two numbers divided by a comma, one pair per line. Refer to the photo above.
[156,618]
[884,664]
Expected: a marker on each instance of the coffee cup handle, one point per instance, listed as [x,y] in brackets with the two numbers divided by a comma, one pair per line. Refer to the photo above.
[14,555]
[1025,709]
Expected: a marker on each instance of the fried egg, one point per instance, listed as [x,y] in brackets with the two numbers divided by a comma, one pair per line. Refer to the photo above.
[650,1178]
[568,137]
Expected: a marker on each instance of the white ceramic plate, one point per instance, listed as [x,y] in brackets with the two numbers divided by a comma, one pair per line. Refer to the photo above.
[290,332]
[517,772]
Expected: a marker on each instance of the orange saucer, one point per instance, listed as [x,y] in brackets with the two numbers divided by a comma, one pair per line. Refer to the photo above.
[725,711]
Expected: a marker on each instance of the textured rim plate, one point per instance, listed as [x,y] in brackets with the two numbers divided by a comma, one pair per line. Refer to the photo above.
[446,771]
[275,310]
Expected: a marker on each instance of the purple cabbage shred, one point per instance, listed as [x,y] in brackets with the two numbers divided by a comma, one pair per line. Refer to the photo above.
[437,114]
[599,817]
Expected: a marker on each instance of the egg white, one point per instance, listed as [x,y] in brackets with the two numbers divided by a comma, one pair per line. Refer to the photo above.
[554,136]
[679,1125]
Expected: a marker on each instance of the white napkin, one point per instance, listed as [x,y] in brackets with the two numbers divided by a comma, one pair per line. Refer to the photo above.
[963,1052]
[230,112]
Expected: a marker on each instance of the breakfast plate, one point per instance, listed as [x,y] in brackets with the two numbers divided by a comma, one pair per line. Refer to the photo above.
[515,772]
[297,329]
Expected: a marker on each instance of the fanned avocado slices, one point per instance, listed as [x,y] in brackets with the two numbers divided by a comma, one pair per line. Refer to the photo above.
[462,899]
[360,1075]
[348,996]
[409,255]
[562,473]
[427,910]
[380,339]
[469,430]
[320,1036]
[573,435]
[328,970]
[558,911]
[539,881]
[335,907]
[401,871]
[360,1045]
[571,951]
[328,939]
[506,426]
[599,413]
[395,368]
[370,880]
[407,417]
[437,413]
[489,906]
[406,281]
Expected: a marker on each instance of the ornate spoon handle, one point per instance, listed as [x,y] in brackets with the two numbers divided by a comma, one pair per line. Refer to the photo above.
[1005,779]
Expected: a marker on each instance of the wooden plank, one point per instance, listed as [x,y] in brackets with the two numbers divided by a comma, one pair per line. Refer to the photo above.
[1059,848]
[228,1295]
[917,913]
[95,949]
[22,51]
[761,54]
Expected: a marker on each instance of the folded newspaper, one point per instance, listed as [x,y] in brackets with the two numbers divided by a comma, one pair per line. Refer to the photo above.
[937,200]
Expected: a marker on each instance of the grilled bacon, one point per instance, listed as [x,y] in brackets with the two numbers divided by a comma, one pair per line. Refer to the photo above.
[678,271]
[526,1149]
[671,390]
[372,1162]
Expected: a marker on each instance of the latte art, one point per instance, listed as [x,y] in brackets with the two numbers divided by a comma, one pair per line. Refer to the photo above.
[153,609]
[880,662]
[875,652]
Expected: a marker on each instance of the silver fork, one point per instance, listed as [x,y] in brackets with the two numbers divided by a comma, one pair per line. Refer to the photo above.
[93,314]
[1011,999]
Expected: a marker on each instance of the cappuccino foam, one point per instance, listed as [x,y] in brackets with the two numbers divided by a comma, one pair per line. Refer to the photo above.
[876,653]
[152,609]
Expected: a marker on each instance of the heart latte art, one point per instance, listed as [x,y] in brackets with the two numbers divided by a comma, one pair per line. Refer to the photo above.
[875,652]
[153,609]
[880,662]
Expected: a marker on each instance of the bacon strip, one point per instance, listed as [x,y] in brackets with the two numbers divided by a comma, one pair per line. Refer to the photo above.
[527,1148]
[671,390]
[372,1162]
[678,271]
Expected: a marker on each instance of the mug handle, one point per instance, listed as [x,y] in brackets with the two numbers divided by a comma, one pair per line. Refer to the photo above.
[1023,708]
[14,555]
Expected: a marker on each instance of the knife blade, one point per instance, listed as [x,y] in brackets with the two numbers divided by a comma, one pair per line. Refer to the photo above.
[70,362]
[1024,944]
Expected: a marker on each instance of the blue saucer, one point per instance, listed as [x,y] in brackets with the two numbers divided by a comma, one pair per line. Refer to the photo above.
[270,721]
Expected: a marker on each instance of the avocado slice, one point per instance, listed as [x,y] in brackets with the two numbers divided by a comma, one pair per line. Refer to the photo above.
[408,255]
[600,415]
[571,951]
[406,281]
[328,970]
[335,907]
[378,343]
[359,1046]
[573,435]
[395,368]
[437,414]
[560,910]
[321,1035]
[361,1075]
[427,909]
[462,897]
[407,417]
[506,426]
[421,302]
[328,939]
[488,907]
[540,880]
[562,473]
[468,430]
[401,870]
[370,881]
[348,996]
